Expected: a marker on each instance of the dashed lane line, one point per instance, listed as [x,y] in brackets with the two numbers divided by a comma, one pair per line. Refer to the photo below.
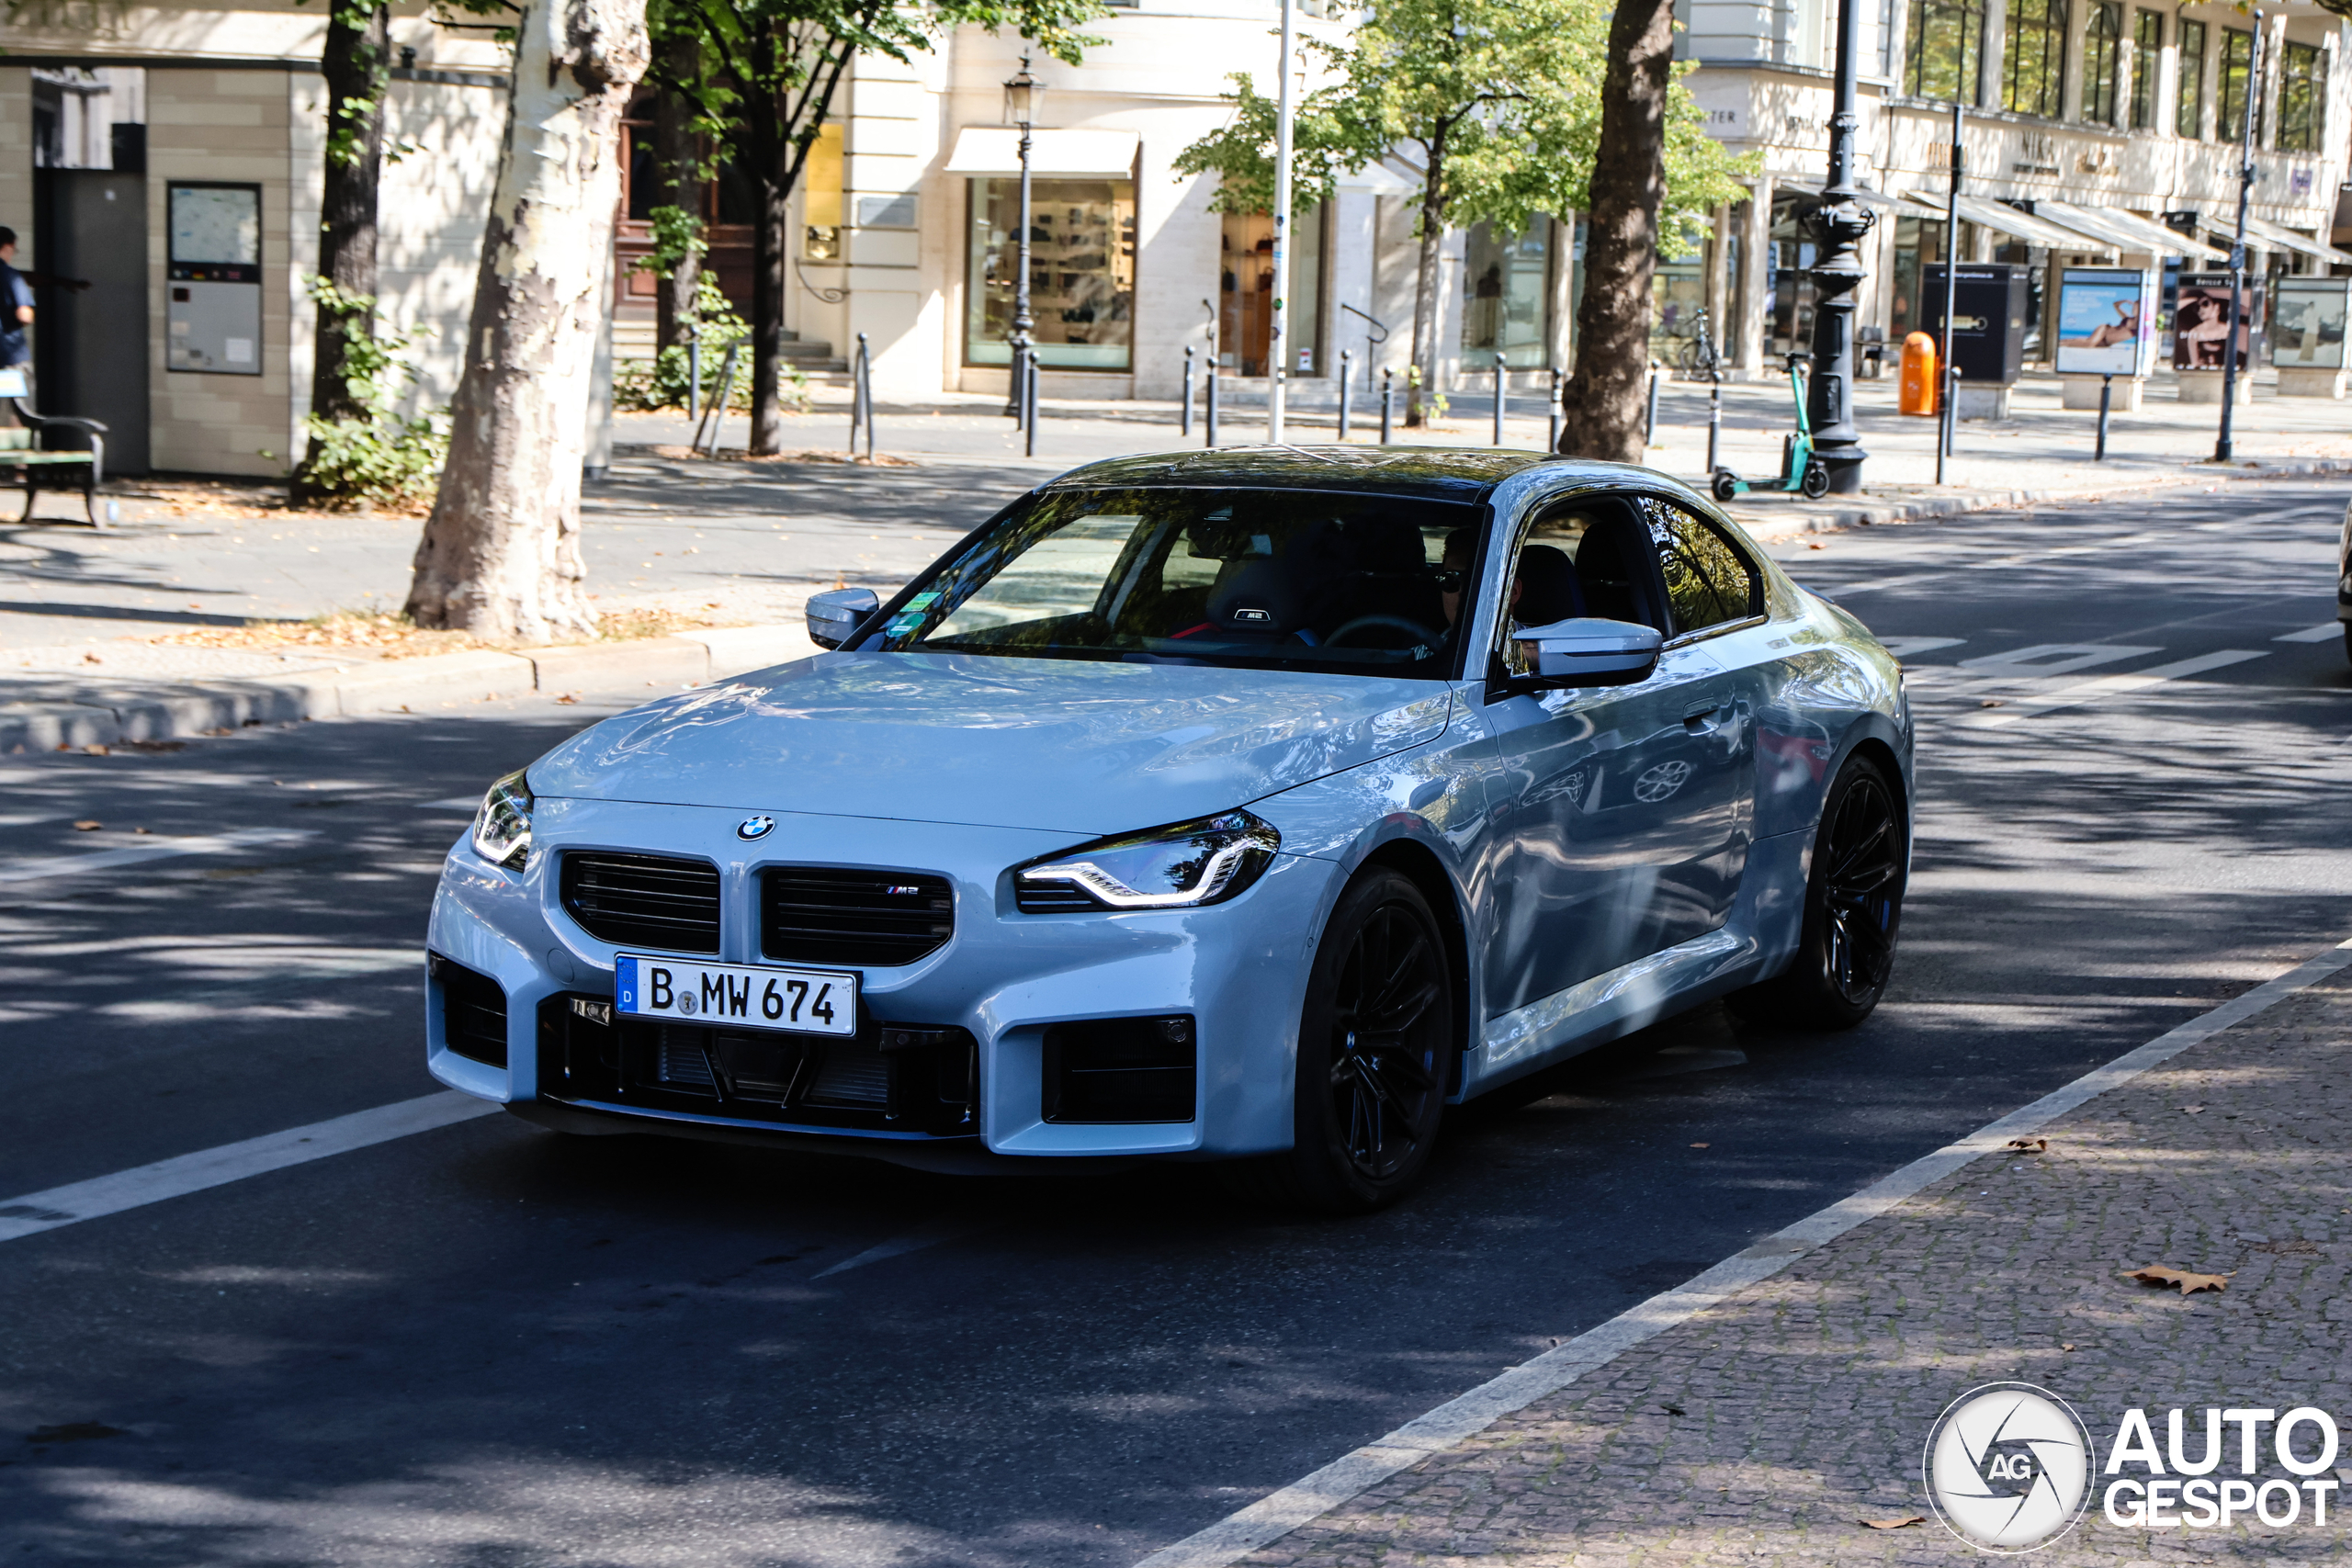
[144,850]
[1456,1421]
[37,1213]
[2106,686]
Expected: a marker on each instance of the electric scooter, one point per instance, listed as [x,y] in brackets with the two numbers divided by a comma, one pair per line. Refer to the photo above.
[1801,471]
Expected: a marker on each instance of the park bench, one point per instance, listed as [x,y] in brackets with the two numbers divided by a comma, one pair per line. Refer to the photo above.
[27,449]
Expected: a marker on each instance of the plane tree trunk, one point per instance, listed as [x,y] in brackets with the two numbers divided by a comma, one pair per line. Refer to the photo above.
[500,554]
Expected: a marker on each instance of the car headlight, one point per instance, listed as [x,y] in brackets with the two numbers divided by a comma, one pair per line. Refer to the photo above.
[1179,867]
[502,825]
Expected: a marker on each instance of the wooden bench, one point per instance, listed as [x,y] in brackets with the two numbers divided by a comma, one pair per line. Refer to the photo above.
[28,449]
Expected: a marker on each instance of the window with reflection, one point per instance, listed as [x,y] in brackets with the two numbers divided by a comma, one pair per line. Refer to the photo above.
[1081,272]
[2303,98]
[2102,57]
[2147,55]
[1940,59]
[2189,116]
[2237,71]
[2034,58]
[1507,296]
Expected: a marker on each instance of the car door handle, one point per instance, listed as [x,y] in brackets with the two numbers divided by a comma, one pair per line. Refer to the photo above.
[1703,715]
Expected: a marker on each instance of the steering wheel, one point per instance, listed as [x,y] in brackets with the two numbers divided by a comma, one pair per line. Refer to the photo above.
[1414,629]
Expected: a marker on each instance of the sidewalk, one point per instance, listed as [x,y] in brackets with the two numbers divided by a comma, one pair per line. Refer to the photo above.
[1765,1428]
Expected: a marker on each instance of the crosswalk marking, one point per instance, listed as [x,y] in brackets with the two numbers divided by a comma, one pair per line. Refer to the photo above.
[2329,632]
[151,849]
[2110,686]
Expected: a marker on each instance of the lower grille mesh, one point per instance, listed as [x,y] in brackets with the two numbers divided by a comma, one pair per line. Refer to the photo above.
[824,914]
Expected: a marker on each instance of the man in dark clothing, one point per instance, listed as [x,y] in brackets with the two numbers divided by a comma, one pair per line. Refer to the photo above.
[16,306]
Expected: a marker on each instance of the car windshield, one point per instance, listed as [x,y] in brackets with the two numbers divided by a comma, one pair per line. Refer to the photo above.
[1255,579]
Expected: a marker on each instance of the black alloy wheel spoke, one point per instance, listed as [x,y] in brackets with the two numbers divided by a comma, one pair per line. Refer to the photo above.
[1384,1021]
[1860,889]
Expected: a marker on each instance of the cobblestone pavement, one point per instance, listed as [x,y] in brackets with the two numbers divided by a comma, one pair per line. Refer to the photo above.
[1765,1429]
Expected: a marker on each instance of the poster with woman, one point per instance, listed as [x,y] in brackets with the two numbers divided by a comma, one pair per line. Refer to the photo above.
[2201,320]
[2104,325]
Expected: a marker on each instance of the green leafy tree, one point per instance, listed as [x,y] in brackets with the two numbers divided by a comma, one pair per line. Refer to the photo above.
[767,73]
[356,58]
[1497,104]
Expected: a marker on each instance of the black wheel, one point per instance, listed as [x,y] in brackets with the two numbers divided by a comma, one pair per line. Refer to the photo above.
[1815,482]
[1727,484]
[1853,905]
[1375,1044]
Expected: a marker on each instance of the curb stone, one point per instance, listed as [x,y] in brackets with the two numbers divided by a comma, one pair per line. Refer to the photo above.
[48,713]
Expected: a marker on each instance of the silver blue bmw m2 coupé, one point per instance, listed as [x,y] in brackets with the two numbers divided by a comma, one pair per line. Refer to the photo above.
[1247,806]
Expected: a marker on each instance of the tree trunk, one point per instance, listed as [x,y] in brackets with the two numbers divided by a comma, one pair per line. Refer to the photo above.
[500,554]
[771,251]
[1425,302]
[1604,398]
[677,155]
[356,61]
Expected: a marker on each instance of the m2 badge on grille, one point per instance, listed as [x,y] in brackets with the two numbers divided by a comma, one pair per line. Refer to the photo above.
[729,996]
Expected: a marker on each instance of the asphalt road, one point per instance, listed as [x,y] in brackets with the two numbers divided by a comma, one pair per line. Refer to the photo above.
[488,1345]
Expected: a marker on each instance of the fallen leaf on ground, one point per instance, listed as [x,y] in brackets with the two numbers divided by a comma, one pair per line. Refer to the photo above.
[1671,1409]
[2189,1283]
[1701,1145]
[2030,1145]
[2191,1110]
[87,826]
[2066,1347]
[96,750]
[1902,1523]
[1992,703]
[566,697]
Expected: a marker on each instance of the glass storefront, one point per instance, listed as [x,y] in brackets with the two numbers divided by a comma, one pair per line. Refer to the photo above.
[1081,273]
[1918,245]
[1790,294]
[1246,292]
[1507,298]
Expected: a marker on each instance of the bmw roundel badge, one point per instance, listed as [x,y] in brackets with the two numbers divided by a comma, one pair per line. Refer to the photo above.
[755,827]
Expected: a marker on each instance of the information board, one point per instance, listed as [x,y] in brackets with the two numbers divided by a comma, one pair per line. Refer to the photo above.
[2307,331]
[2105,325]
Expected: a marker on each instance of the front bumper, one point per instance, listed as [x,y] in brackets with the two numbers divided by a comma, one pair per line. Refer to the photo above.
[1003,979]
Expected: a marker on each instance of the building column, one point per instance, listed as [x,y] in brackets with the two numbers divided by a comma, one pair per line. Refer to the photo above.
[1754,303]
[1989,58]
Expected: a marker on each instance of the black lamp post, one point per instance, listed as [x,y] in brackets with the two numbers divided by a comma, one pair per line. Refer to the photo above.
[2223,444]
[1839,225]
[1022,96]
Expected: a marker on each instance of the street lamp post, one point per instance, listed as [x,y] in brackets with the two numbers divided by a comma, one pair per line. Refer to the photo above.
[1022,95]
[1278,336]
[1839,225]
[2223,445]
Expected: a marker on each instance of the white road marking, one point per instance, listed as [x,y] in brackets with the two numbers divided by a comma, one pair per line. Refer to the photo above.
[468,804]
[931,1233]
[158,847]
[2109,686]
[2054,658]
[2327,633]
[1905,646]
[1280,1512]
[38,1212]
[2087,547]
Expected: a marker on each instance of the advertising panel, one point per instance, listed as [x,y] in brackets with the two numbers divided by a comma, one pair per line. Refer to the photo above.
[2105,327]
[2307,331]
[2201,320]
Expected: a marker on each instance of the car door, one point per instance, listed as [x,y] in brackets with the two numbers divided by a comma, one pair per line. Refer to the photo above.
[1615,813]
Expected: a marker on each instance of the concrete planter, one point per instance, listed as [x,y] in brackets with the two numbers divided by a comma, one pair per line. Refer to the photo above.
[2082,392]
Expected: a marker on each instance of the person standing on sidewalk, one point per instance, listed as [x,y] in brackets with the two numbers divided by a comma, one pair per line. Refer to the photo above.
[16,306]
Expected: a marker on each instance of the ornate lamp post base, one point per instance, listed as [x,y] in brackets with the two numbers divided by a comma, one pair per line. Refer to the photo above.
[1840,224]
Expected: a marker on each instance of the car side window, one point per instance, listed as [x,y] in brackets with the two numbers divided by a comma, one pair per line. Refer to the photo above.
[1708,582]
[1586,557]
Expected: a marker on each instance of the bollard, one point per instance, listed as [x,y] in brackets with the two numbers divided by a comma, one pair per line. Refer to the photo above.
[1214,379]
[1387,405]
[2106,395]
[1345,361]
[1502,396]
[1714,424]
[1029,406]
[1950,417]
[693,373]
[1184,420]
[1649,421]
[1552,398]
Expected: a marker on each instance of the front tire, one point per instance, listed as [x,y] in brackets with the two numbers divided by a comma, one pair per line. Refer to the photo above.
[1375,1044]
[1726,485]
[1815,481]
[1853,908]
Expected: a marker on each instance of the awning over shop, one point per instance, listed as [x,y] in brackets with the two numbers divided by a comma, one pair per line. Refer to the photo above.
[1900,206]
[2000,216]
[2278,237]
[993,152]
[2127,230]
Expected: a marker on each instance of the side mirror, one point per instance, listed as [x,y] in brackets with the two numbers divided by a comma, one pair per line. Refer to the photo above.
[835,612]
[1589,651]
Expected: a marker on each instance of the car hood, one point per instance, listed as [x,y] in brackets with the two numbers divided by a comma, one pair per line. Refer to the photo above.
[1068,746]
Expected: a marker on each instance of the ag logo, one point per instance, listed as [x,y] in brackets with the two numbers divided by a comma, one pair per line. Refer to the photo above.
[2008,1467]
[755,827]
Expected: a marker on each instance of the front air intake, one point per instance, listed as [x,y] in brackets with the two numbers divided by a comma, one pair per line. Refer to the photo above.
[649,901]
[865,919]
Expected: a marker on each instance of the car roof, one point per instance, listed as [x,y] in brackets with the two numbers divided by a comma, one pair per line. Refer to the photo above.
[1435,473]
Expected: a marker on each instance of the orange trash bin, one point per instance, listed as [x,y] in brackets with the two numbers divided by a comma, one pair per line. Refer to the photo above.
[1918,390]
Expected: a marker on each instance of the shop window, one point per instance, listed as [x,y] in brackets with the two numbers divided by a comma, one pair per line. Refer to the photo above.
[1947,39]
[2034,59]
[2303,98]
[1246,292]
[1678,293]
[2147,52]
[1081,273]
[1790,293]
[2237,65]
[2102,56]
[1507,296]
[820,186]
[2188,116]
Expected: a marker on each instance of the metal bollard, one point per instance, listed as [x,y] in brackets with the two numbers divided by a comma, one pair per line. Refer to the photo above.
[1649,420]
[1213,380]
[1387,405]
[1551,436]
[1344,362]
[1184,420]
[1715,424]
[1029,409]
[1502,398]
[693,373]
[2106,395]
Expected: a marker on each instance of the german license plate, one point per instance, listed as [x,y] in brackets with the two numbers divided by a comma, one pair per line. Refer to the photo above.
[731,996]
